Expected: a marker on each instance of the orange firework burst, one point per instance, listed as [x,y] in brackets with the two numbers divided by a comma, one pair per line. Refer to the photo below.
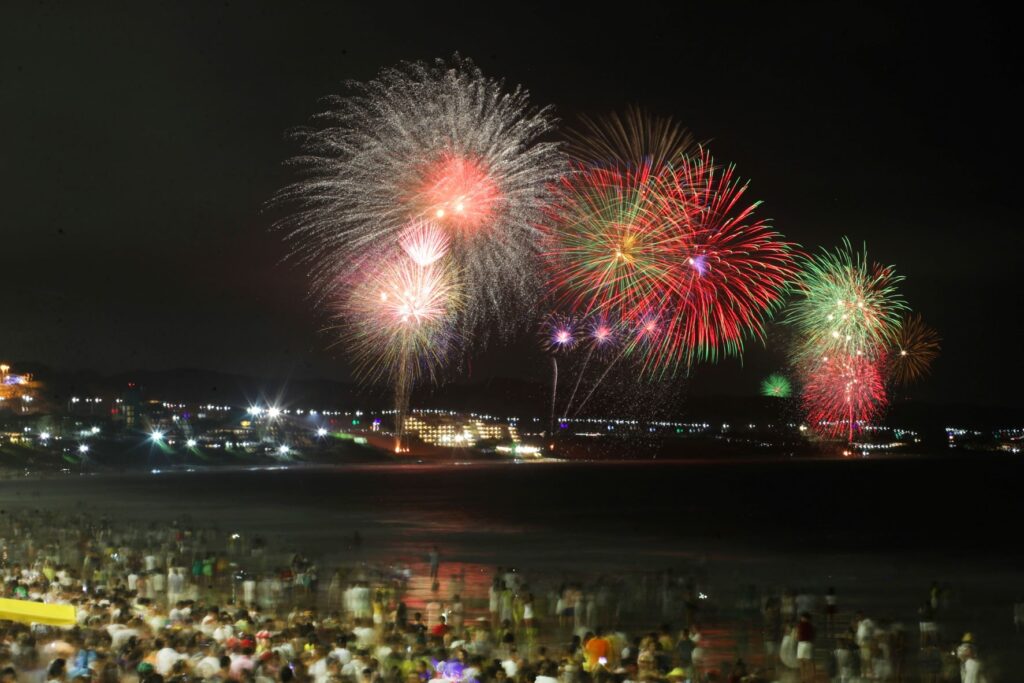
[915,347]
[626,140]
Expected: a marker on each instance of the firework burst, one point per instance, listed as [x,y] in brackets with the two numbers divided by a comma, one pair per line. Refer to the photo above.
[776,386]
[610,246]
[434,142]
[912,352]
[844,304]
[424,242]
[673,247]
[396,321]
[560,333]
[733,270]
[842,394]
[629,140]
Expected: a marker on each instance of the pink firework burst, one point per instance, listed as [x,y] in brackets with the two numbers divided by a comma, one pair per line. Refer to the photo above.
[560,333]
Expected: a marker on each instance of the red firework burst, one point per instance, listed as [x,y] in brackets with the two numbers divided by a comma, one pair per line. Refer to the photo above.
[672,243]
[734,269]
[842,394]
[459,192]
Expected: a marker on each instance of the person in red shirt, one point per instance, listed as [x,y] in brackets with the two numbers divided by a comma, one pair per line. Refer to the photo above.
[805,647]
[440,629]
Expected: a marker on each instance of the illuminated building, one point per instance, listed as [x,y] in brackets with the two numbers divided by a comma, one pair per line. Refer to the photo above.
[18,393]
[457,430]
[128,408]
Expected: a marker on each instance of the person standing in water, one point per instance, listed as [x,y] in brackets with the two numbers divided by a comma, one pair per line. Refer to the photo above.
[435,563]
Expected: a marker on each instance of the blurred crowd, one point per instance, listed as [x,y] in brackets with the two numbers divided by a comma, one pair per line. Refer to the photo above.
[181,603]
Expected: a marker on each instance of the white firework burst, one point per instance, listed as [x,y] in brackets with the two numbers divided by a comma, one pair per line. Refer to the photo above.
[427,141]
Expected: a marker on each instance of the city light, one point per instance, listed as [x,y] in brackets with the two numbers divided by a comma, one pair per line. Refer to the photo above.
[83,448]
[273,412]
[43,436]
[156,435]
[191,443]
[283,449]
[321,432]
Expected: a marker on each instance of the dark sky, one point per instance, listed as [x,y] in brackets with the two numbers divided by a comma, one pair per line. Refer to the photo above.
[140,144]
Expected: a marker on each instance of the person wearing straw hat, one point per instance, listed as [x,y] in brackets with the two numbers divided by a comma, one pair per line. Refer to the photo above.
[676,675]
[970,665]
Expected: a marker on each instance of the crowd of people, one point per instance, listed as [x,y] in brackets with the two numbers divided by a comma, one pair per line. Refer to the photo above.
[183,603]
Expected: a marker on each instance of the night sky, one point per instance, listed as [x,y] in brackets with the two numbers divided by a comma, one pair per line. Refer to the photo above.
[140,145]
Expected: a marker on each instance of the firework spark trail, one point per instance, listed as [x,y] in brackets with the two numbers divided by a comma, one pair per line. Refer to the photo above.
[602,336]
[554,393]
[579,378]
[438,142]
[600,379]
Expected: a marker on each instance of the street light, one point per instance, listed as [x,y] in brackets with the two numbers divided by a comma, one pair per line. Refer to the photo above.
[83,448]
[156,435]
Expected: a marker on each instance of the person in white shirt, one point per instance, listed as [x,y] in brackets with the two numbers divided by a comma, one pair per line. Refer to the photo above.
[209,664]
[223,632]
[355,667]
[341,653]
[249,591]
[175,584]
[365,635]
[865,636]
[166,658]
[159,582]
[546,674]
[209,623]
[970,665]
[120,634]
[319,670]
